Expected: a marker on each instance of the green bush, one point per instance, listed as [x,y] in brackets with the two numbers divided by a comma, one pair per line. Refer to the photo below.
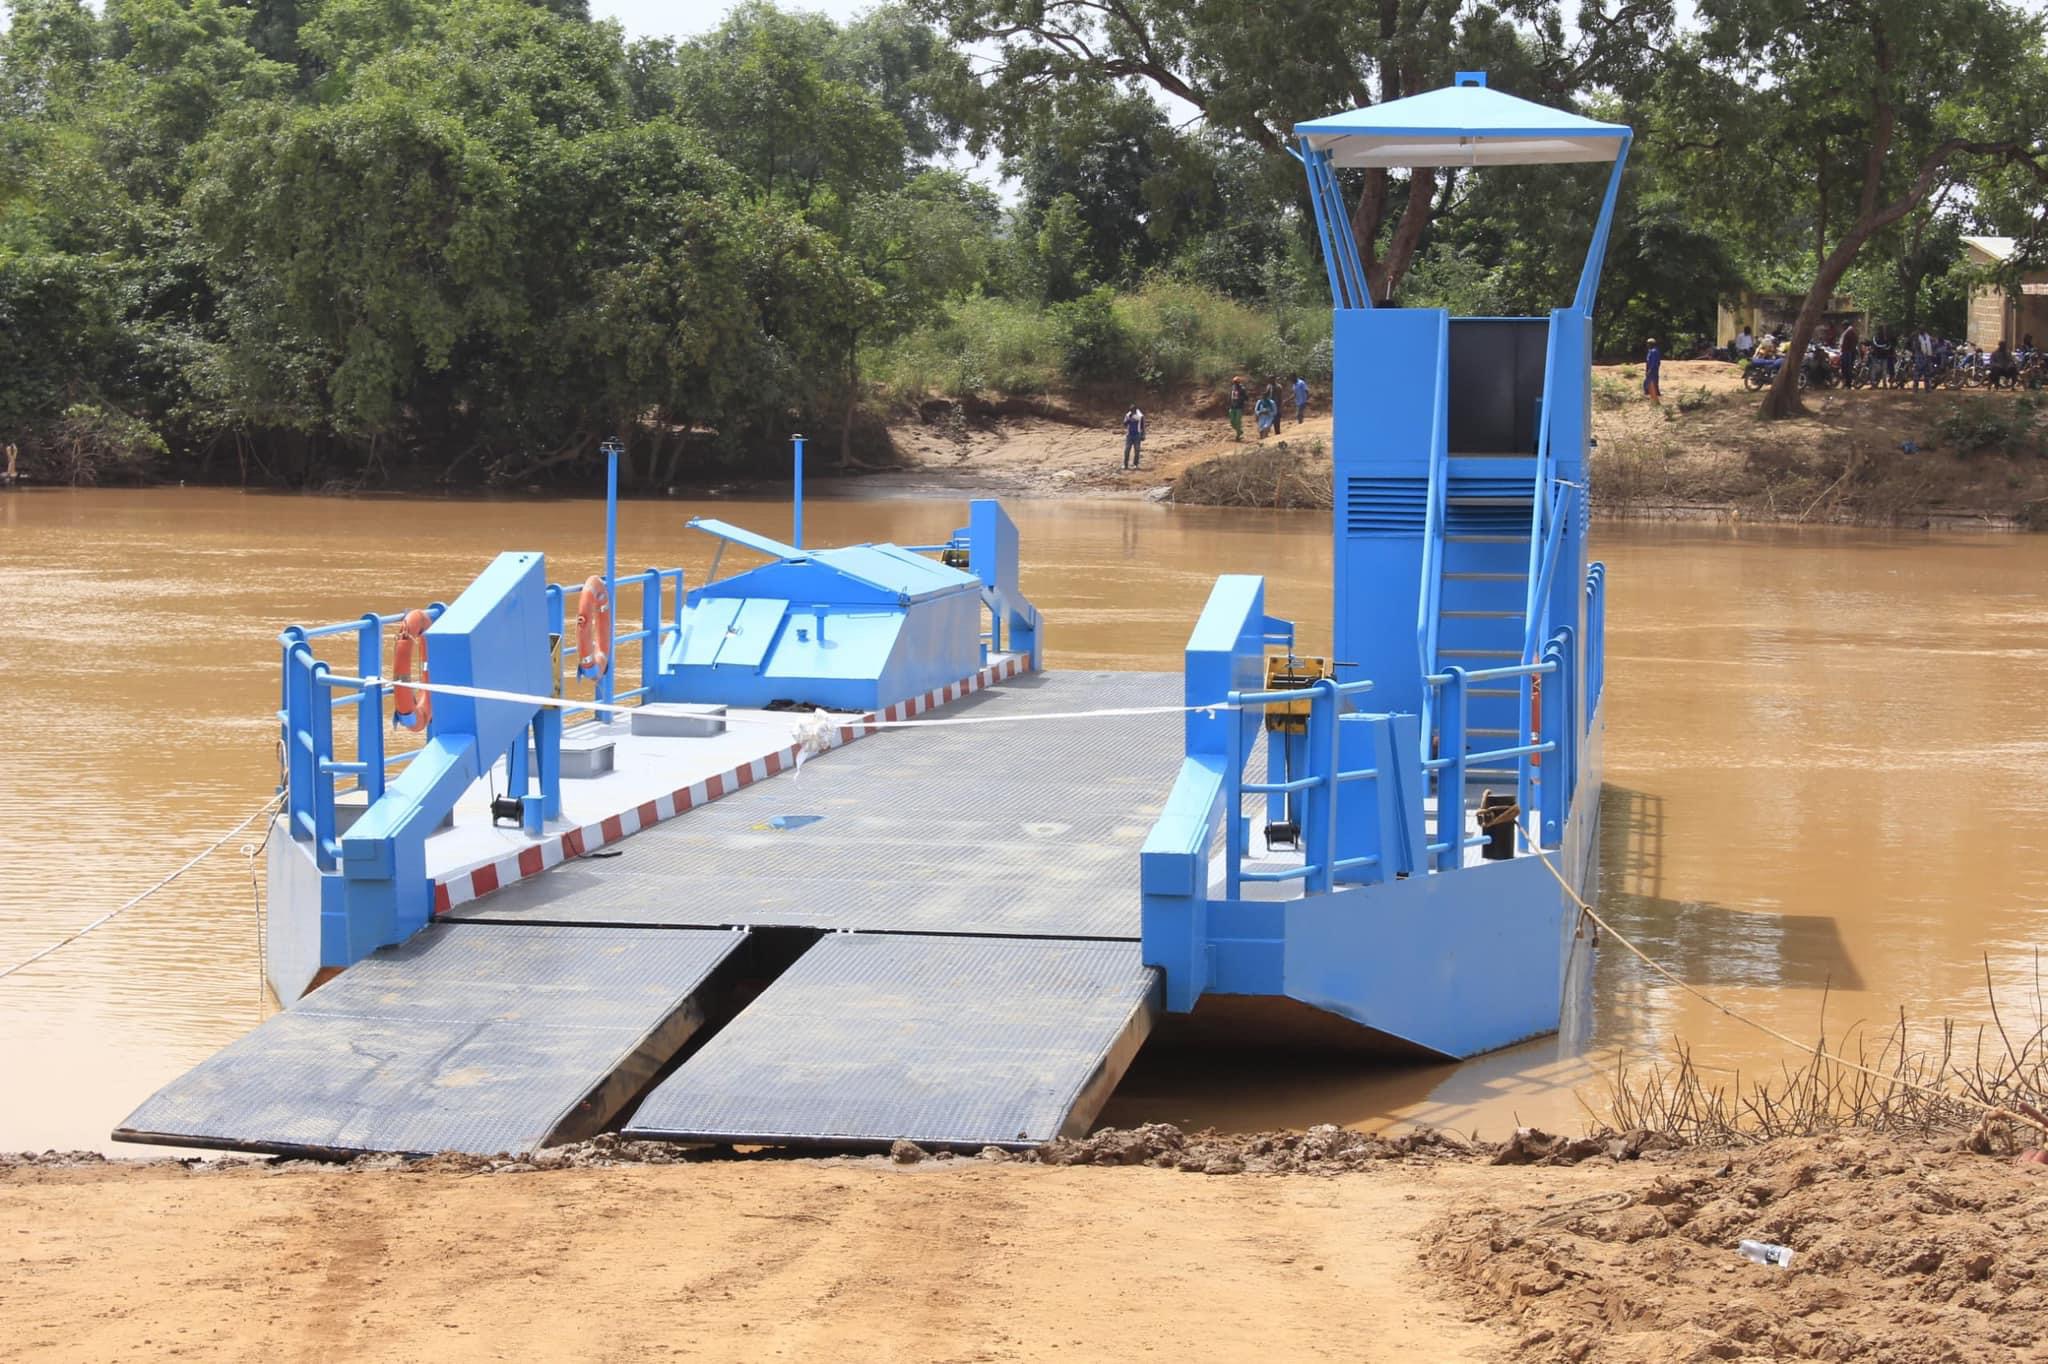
[1092,340]
[1988,424]
[1609,391]
[1166,333]
[92,440]
[982,345]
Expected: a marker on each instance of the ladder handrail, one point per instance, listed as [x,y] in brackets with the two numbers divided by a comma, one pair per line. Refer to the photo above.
[1546,574]
[1427,609]
[1539,488]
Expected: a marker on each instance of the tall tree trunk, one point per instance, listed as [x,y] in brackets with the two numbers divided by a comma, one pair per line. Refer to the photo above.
[1783,399]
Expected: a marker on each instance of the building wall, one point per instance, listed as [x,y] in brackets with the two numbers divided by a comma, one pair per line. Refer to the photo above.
[1761,312]
[1998,315]
[1985,324]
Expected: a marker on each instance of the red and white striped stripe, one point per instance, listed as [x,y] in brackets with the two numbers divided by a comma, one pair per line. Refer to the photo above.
[470,883]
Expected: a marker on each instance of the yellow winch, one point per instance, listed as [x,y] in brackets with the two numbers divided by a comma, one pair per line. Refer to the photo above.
[1285,672]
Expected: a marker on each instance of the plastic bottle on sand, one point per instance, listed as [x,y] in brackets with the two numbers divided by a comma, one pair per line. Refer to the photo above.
[1764,1253]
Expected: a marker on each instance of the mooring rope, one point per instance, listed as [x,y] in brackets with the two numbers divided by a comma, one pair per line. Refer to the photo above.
[1990,1110]
[267,807]
[837,719]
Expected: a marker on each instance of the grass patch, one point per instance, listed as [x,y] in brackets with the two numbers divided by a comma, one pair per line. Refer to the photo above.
[1166,334]
[1609,391]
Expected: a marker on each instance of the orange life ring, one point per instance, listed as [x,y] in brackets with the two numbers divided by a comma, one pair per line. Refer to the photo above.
[408,707]
[593,628]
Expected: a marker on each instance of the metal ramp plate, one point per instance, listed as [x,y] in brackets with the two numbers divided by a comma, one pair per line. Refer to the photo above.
[478,1038]
[947,1042]
[1020,830]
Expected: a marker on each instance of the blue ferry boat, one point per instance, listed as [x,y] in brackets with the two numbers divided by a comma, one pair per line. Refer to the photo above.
[828,856]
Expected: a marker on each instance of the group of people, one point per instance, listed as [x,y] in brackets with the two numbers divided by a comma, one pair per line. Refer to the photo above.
[1266,412]
[1916,359]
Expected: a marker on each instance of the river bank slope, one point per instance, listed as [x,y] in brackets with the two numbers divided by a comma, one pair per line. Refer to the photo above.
[1905,1251]
[1890,457]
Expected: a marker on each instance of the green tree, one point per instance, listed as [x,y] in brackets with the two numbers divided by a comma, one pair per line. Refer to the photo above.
[1254,71]
[1862,110]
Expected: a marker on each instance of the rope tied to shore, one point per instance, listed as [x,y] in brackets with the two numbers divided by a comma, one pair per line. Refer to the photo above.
[268,807]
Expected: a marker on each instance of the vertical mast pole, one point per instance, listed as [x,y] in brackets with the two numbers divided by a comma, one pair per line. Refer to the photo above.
[796,508]
[605,686]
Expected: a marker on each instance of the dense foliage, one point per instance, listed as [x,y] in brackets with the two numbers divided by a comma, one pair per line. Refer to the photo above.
[462,241]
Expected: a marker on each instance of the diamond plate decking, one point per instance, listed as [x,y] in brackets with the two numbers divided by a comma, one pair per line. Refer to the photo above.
[1030,830]
[472,1037]
[948,1042]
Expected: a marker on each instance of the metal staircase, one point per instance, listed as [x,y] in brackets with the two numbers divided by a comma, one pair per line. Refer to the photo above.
[1487,537]
[1482,604]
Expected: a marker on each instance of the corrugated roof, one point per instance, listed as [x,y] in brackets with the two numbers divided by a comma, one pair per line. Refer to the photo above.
[1462,125]
[1998,248]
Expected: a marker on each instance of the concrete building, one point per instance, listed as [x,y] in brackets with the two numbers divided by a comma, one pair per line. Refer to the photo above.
[1776,312]
[1999,312]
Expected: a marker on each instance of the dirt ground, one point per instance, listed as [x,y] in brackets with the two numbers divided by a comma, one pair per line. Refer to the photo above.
[1904,1252]
[1893,456]
[1068,447]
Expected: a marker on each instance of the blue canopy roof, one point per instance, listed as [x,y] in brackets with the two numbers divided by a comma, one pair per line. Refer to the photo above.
[1461,125]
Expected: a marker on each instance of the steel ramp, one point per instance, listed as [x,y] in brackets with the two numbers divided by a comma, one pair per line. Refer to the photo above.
[475,1037]
[945,1041]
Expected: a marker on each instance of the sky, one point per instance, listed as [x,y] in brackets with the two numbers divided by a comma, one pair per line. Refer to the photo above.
[682,18]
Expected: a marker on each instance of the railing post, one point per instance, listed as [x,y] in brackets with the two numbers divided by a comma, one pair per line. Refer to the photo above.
[298,721]
[606,686]
[370,706]
[1233,798]
[320,710]
[650,632]
[1562,776]
[1319,808]
[1450,781]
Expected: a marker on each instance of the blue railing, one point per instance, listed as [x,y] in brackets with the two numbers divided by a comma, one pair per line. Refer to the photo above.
[647,638]
[1450,762]
[1596,635]
[315,768]
[1320,865]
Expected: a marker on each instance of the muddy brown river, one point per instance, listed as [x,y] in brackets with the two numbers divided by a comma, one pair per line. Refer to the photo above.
[1826,801]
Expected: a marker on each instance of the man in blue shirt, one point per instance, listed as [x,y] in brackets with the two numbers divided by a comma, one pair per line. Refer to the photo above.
[1134,436]
[1652,362]
[1300,399]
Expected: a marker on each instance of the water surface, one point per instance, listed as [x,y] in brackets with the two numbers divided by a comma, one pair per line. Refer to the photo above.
[1827,762]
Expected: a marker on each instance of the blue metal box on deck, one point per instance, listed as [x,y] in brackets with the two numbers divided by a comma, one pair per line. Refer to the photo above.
[853,628]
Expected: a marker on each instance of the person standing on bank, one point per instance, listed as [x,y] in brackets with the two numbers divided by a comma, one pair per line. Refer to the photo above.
[13,454]
[1134,436]
[1300,399]
[1653,362]
[1237,397]
[1272,395]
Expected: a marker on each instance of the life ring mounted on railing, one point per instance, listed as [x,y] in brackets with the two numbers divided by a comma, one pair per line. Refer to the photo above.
[410,707]
[593,628]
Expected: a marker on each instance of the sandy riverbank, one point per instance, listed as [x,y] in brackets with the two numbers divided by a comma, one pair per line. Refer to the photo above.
[1890,457]
[1907,1251]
